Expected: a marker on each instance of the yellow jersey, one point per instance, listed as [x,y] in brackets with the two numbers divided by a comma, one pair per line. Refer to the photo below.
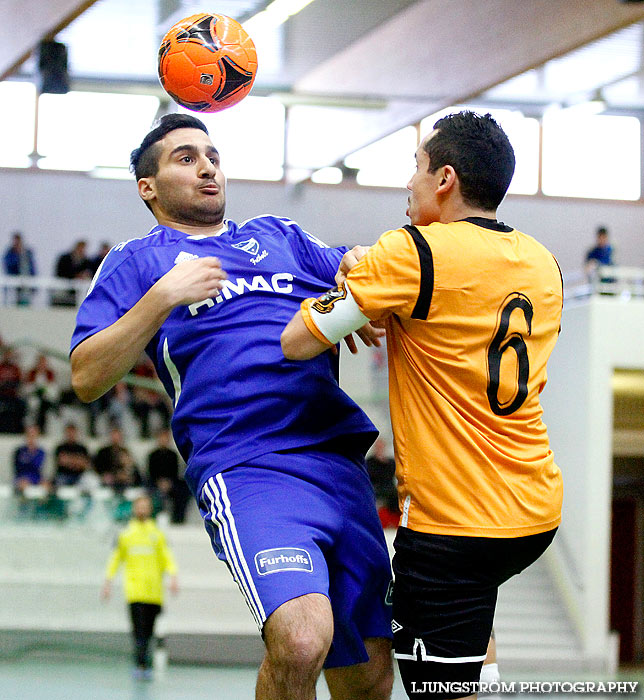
[142,547]
[472,312]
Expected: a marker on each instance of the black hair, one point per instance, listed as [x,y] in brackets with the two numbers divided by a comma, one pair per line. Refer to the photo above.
[479,151]
[144,160]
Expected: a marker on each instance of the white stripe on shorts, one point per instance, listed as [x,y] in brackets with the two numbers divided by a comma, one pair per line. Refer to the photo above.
[424,656]
[220,511]
[239,550]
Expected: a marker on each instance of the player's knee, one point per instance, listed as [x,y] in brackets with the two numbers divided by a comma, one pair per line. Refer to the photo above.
[376,678]
[379,685]
[381,673]
[303,649]
[385,683]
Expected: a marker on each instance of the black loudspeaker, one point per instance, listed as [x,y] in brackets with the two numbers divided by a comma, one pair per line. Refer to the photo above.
[52,66]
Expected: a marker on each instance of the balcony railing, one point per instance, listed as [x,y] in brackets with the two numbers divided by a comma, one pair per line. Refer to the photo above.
[40,292]
[606,280]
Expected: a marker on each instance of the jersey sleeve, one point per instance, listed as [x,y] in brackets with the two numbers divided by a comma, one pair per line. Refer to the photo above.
[314,255]
[167,558]
[388,279]
[115,560]
[117,286]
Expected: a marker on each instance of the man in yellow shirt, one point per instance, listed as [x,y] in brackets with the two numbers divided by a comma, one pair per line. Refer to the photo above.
[472,310]
[142,547]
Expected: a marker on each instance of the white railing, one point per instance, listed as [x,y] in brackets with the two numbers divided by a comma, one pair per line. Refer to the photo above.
[608,280]
[95,508]
[39,292]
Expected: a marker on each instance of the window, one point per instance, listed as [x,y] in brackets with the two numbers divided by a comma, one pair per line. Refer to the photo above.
[83,130]
[591,156]
[388,162]
[18,101]
[249,138]
[316,131]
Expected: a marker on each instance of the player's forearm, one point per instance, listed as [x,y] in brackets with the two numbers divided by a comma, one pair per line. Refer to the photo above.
[298,343]
[104,358]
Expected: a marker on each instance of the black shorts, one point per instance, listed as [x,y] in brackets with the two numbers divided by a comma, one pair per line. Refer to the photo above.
[444,599]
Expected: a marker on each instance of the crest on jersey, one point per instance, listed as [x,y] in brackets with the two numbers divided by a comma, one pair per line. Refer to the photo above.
[326,302]
[251,246]
[183,256]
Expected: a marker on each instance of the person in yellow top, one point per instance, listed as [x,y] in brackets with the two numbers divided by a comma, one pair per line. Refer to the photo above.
[143,549]
[472,310]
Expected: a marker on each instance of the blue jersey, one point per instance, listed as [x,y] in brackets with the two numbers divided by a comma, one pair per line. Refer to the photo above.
[28,464]
[235,395]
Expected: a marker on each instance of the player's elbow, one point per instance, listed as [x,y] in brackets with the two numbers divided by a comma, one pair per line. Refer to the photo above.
[82,389]
[82,384]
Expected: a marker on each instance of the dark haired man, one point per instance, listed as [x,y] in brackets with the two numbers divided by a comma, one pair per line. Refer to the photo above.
[19,260]
[601,254]
[472,310]
[274,449]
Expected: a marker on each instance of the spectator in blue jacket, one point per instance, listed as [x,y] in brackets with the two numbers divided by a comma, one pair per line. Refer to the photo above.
[602,252]
[28,460]
[19,260]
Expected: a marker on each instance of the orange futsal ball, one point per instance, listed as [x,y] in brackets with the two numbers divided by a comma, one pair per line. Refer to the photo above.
[207,62]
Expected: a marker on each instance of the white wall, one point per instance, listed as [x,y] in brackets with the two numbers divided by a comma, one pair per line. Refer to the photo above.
[54,209]
[597,336]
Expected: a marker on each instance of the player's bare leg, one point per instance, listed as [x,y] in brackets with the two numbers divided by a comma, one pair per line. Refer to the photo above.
[372,680]
[297,636]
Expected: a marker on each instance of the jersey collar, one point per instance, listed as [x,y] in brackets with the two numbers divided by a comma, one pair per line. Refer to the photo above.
[491,224]
[223,230]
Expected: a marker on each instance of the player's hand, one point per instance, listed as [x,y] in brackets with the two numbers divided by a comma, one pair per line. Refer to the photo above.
[174,585]
[191,281]
[369,334]
[349,259]
[106,590]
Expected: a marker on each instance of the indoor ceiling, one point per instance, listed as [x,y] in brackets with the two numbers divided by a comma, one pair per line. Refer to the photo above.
[395,60]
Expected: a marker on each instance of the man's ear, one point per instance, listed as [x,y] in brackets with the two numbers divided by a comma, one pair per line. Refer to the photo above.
[147,188]
[447,180]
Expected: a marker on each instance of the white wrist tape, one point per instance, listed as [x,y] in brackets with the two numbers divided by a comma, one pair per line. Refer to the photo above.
[337,314]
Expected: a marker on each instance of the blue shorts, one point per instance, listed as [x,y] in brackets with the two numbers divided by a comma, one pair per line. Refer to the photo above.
[304,521]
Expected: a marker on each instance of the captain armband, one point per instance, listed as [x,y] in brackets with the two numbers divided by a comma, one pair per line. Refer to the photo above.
[334,314]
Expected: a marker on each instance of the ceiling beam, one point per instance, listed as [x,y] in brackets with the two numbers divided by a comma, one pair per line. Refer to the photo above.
[452,50]
[25,23]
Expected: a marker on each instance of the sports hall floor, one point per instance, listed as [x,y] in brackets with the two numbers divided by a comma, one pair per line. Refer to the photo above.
[38,678]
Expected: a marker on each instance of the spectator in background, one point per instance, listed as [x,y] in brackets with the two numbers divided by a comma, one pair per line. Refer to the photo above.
[73,265]
[601,253]
[115,465]
[164,480]
[71,458]
[142,547]
[95,409]
[19,261]
[41,391]
[114,404]
[145,401]
[382,470]
[12,406]
[95,262]
[119,404]
[28,460]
